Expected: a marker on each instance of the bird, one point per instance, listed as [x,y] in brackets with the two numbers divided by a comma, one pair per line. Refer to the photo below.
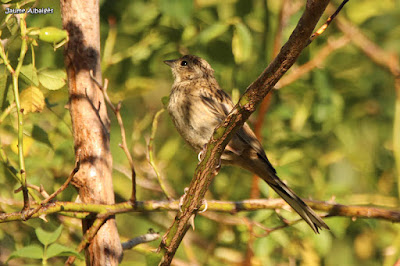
[197,105]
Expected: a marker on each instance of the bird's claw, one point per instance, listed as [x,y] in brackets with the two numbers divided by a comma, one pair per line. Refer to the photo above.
[204,201]
[201,153]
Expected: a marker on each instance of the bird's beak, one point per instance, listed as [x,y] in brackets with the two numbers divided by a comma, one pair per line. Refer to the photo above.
[170,62]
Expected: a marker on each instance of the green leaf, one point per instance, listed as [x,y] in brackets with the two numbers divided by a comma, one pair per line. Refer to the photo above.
[3,84]
[165,101]
[32,252]
[32,100]
[212,32]
[52,79]
[47,238]
[181,10]
[12,27]
[242,43]
[40,135]
[153,259]
[56,249]
[29,73]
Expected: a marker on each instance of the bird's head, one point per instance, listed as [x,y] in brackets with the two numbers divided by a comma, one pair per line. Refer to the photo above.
[190,67]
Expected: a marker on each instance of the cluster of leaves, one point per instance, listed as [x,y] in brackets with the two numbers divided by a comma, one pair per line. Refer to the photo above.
[328,134]
[49,249]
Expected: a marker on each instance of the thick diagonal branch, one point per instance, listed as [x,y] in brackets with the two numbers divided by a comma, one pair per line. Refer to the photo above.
[254,94]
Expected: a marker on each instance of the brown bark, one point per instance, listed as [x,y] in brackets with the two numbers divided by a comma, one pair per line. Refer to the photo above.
[90,124]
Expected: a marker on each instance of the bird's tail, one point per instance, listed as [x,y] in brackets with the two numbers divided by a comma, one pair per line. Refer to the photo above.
[313,220]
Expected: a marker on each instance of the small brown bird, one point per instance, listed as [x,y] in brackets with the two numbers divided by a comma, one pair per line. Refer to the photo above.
[197,105]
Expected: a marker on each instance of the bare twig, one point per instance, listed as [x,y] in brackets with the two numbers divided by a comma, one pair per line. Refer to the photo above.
[328,21]
[385,59]
[151,154]
[123,145]
[40,189]
[58,191]
[265,104]
[302,70]
[389,61]
[150,236]
[332,208]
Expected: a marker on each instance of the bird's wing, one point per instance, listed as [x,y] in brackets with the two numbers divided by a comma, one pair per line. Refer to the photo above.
[247,136]
[218,101]
[220,105]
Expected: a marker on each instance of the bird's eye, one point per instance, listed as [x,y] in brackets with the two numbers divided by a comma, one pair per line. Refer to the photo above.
[184,63]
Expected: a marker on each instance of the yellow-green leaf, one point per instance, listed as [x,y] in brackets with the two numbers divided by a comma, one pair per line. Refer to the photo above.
[212,32]
[242,43]
[29,74]
[32,100]
[52,79]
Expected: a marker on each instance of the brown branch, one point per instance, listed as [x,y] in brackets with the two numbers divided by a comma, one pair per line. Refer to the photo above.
[40,189]
[254,94]
[389,61]
[373,51]
[318,59]
[150,236]
[123,145]
[150,148]
[265,104]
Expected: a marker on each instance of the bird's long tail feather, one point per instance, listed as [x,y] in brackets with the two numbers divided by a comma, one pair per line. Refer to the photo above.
[313,220]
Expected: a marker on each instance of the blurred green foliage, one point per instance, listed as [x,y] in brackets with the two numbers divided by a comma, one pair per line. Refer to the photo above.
[329,134]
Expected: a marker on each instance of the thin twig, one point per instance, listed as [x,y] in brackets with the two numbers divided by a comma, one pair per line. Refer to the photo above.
[123,145]
[330,207]
[15,76]
[265,104]
[328,21]
[390,62]
[40,189]
[6,112]
[58,191]
[150,236]
[151,154]
[317,60]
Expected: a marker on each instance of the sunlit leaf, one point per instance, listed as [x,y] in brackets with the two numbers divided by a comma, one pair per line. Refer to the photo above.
[29,72]
[181,10]
[212,32]
[47,238]
[32,100]
[241,43]
[32,252]
[57,250]
[52,79]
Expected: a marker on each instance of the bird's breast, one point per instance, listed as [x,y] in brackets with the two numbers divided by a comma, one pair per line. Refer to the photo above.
[190,117]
